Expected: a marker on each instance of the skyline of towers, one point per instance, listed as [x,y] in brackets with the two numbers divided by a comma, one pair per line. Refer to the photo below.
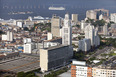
[91,14]
[97,14]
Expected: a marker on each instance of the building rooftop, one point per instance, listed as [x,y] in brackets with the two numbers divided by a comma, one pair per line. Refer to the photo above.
[54,47]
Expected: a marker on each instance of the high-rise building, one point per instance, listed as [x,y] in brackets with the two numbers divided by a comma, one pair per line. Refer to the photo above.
[91,14]
[83,25]
[96,38]
[67,31]
[105,29]
[75,18]
[85,45]
[49,36]
[89,33]
[103,12]
[9,36]
[19,24]
[113,17]
[56,26]
[92,34]
[27,40]
[28,45]
[97,14]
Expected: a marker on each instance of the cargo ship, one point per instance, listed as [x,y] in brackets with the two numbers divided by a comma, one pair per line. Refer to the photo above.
[56,8]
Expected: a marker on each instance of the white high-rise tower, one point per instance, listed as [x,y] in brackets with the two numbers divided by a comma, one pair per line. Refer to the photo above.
[89,33]
[67,31]
[9,36]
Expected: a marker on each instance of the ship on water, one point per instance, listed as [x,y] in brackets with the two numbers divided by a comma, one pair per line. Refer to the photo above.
[56,8]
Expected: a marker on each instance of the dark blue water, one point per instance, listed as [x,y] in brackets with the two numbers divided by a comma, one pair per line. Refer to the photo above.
[40,7]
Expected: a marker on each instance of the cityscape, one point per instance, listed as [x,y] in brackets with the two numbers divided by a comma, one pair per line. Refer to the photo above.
[59,44]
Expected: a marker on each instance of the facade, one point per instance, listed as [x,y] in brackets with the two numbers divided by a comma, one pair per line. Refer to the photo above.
[96,38]
[89,33]
[27,40]
[83,25]
[96,72]
[55,57]
[67,31]
[20,24]
[105,30]
[92,34]
[113,17]
[85,45]
[91,14]
[9,36]
[103,12]
[4,37]
[28,47]
[49,36]
[56,26]
[78,69]
[75,18]
[97,14]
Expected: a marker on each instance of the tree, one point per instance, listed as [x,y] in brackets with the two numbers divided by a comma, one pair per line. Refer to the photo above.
[26,29]
[21,74]
[1,32]
[30,75]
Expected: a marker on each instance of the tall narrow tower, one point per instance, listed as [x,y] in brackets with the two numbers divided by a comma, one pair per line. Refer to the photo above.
[89,33]
[55,25]
[67,31]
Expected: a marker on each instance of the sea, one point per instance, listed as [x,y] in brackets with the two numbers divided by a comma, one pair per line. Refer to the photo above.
[22,9]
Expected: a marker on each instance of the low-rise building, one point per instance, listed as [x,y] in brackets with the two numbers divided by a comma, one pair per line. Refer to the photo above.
[79,69]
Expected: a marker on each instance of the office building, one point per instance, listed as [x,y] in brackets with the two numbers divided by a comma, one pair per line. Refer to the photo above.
[55,57]
[75,19]
[89,33]
[4,37]
[28,47]
[67,31]
[91,14]
[84,45]
[105,29]
[20,24]
[56,26]
[49,36]
[9,36]
[92,34]
[27,40]
[83,25]
[96,38]
[103,12]
[113,17]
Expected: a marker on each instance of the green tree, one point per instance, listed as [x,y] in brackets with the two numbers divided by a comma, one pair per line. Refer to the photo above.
[26,29]
[30,75]
[21,74]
